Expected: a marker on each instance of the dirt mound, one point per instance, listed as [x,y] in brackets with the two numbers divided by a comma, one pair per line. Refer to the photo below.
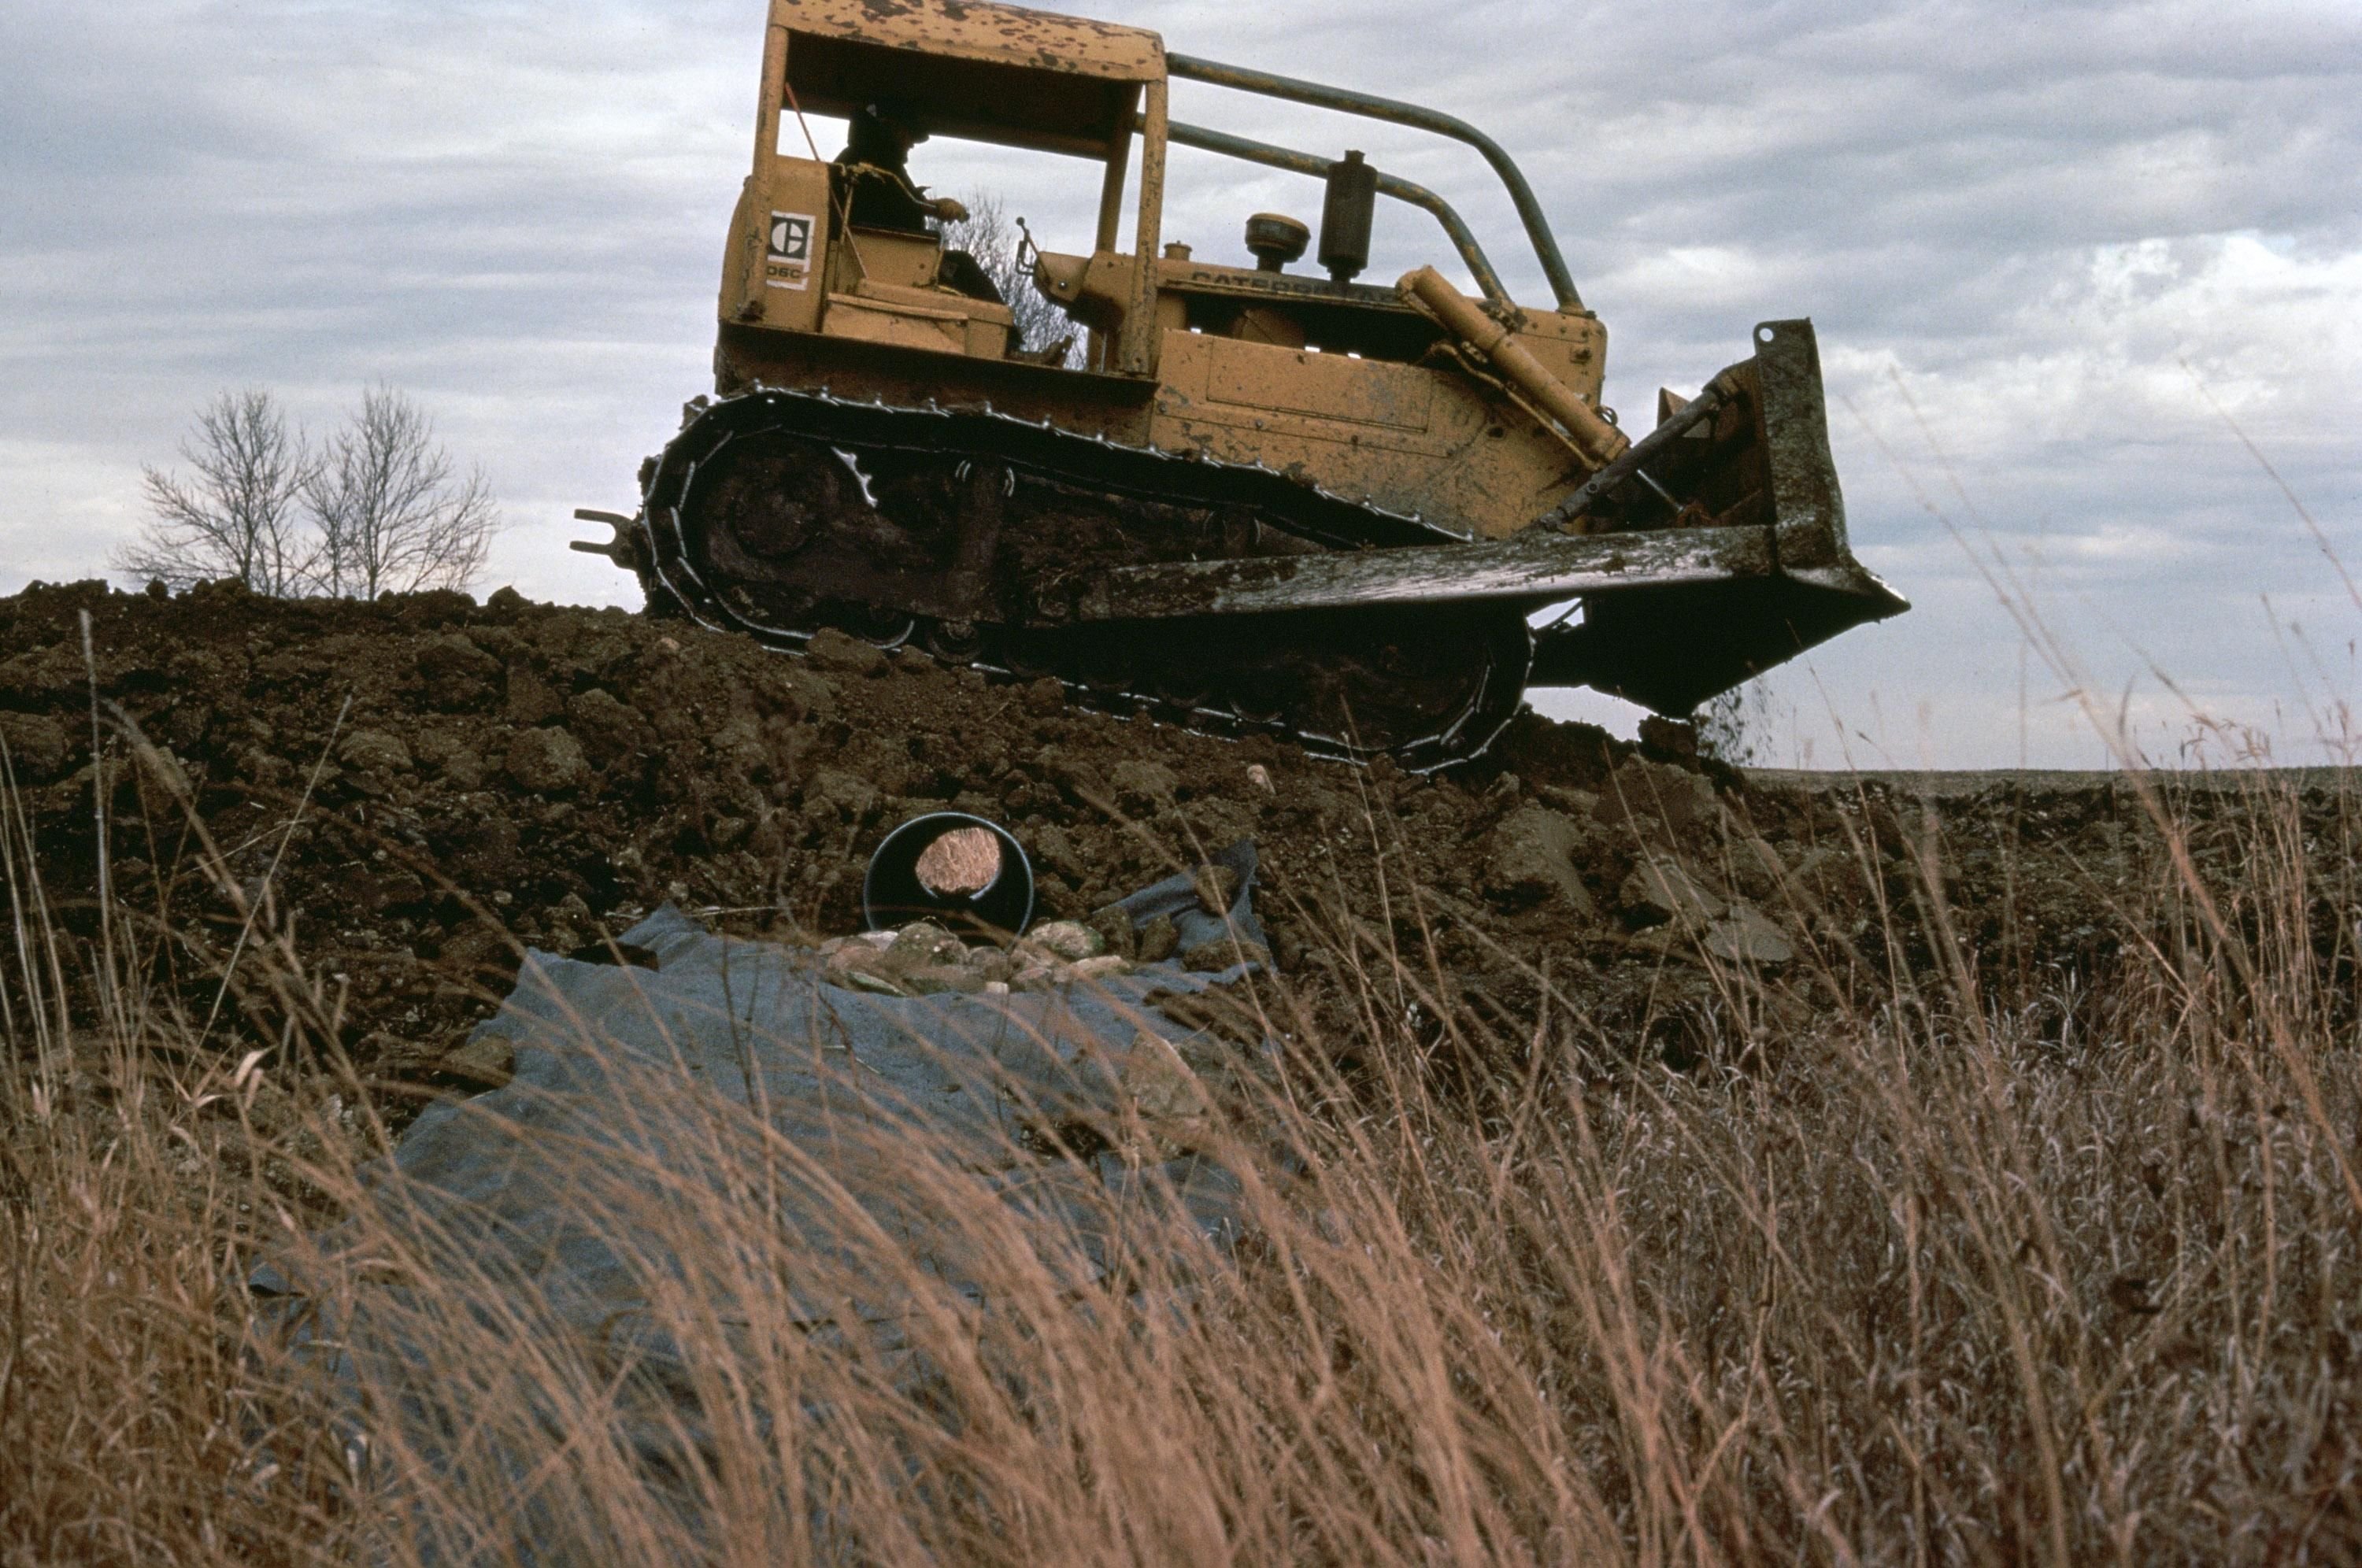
[409,789]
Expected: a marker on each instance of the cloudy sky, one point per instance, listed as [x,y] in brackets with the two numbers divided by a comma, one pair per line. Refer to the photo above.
[2054,251]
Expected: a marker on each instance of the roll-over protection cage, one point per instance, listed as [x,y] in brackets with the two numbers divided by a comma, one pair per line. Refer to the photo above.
[1087,89]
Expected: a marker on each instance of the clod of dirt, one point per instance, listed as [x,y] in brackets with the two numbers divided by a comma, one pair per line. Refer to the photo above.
[376,751]
[1217,954]
[1662,889]
[1532,859]
[547,761]
[1745,936]
[1159,938]
[834,653]
[485,1064]
[1113,926]
[1218,888]
[1675,736]
[1142,787]
[1657,797]
[36,746]
[456,673]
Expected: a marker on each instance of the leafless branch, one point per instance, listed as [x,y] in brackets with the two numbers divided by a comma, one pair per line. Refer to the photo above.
[236,515]
[392,515]
[990,234]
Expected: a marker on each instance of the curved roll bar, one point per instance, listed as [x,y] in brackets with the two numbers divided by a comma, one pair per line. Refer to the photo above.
[1294,162]
[1295,89]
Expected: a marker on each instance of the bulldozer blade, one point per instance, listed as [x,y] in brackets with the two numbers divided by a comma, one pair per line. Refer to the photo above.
[1539,567]
[1670,645]
[1671,616]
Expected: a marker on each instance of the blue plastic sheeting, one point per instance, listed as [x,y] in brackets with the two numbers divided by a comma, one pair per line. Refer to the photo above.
[626,1072]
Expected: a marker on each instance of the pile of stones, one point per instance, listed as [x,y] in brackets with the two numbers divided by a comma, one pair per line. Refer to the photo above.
[925,957]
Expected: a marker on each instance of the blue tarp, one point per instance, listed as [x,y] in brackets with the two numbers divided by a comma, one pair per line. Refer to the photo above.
[629,1068]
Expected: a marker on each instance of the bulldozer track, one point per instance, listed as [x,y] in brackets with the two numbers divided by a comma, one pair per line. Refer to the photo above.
[973,535]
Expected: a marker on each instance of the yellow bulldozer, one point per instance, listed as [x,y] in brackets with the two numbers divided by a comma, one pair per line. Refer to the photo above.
[1248,496]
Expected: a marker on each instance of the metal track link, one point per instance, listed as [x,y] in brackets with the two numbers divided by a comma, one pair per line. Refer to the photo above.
[768,516]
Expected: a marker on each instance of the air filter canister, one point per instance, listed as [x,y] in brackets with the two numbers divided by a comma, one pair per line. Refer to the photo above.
[947,866]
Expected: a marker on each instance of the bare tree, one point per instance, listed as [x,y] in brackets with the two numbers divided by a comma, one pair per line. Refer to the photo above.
[990,234]
[391,513]
[238,515]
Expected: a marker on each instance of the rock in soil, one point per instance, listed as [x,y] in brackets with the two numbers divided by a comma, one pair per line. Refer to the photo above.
[1159,938]
[1745,936]
[1066,938]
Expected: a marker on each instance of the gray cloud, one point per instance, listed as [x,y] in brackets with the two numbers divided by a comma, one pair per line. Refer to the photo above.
[2021,223]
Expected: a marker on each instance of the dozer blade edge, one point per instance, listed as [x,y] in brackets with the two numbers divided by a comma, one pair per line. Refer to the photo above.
[1671,616]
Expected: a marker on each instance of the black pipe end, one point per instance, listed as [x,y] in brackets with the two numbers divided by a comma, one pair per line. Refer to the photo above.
[893,894]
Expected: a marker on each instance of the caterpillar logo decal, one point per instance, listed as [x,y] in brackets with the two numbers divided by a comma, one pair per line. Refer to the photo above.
[788,264]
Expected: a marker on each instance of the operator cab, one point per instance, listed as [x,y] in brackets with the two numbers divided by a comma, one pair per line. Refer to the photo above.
[851,248]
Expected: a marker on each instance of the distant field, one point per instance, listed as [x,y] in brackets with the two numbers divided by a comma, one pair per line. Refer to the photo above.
[1941,783]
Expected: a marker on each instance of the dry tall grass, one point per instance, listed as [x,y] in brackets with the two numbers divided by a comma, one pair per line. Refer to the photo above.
[1923,1278]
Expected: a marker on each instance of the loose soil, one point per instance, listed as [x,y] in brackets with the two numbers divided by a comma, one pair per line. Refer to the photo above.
[409,791]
